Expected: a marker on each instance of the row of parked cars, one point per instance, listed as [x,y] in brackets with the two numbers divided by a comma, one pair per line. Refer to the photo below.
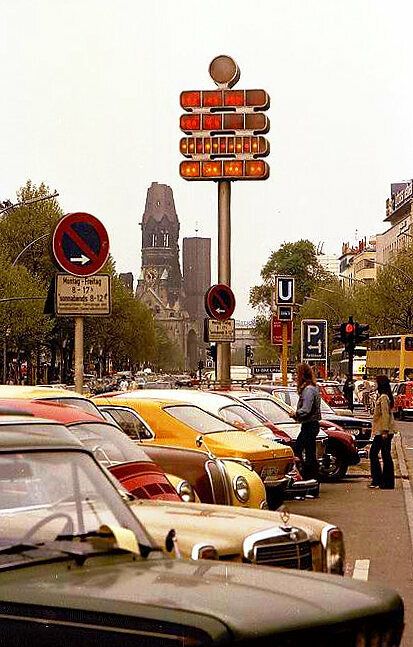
[142,518]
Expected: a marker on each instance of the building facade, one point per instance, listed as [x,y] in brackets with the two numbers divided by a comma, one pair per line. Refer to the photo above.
[161,284]
[358,263]
[330,262]
[399,216]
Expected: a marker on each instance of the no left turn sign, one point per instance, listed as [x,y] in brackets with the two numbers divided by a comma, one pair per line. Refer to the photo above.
[80,244]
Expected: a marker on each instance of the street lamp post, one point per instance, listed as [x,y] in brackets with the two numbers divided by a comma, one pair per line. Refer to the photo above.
[324,304]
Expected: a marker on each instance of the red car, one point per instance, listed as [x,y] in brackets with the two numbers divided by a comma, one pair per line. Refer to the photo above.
[403,399]
[127,462]
[333,395]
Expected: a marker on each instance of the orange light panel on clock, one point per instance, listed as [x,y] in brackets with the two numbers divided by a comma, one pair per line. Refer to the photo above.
[211,169]
[234,98]
[233,121]
[189,169]
[233,168]
[199,145]
[255,168]
[212,122]
[257,98]
[211,98]
[190,122]
[256,121]
[191,99]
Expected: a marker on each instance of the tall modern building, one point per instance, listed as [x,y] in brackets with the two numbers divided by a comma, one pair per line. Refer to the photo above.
[197,274]
[161,285]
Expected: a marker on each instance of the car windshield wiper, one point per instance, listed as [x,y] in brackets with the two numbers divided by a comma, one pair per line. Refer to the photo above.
[145,550]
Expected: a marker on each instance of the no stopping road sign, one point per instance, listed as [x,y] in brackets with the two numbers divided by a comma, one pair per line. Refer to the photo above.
[80,244]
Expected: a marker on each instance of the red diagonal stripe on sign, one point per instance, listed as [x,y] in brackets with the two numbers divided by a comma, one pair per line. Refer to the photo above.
[221,301]
[80,242]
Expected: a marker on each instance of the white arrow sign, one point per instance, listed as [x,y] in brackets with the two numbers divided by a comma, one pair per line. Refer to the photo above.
[81,259]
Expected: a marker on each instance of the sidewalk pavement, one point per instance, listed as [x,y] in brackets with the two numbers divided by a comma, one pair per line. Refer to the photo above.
[376,528]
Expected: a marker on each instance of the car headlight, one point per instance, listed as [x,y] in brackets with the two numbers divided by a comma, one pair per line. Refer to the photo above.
[333,544]
[355,432]
[241,488]
[186,492]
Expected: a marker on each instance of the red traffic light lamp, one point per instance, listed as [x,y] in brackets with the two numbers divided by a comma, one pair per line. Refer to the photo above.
[350,327]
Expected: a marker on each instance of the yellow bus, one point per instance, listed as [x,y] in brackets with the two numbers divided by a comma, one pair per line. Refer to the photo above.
[391,355]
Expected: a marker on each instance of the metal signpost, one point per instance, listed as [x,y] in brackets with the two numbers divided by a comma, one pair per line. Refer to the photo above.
[283,297]
[224,142]
[80,245]
[314,341]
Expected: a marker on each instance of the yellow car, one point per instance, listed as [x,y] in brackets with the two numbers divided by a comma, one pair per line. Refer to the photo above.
[183,424]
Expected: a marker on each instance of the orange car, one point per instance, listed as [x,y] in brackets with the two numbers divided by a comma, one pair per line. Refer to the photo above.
[179,423]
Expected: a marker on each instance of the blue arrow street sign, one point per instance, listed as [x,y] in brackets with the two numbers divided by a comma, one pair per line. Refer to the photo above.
[313,340]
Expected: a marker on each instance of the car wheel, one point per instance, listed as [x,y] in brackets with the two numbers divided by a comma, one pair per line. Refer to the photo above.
[334,468]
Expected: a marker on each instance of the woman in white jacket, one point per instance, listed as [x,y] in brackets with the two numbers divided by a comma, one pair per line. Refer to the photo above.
[383,429]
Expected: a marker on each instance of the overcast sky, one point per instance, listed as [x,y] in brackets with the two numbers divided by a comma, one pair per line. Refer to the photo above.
[90,105]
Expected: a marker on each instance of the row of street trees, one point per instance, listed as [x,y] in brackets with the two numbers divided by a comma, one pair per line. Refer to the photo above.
[385,304]
[44,344]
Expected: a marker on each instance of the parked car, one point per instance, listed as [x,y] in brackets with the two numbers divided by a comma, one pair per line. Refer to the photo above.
[178,423]
[77,567]
[334,396]
[359,427]
[262,537]
[403,399]
[227,481]
[341,450]
[50,394]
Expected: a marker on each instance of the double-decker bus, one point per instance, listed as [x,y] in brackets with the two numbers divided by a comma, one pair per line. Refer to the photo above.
[339,361]
[391,355]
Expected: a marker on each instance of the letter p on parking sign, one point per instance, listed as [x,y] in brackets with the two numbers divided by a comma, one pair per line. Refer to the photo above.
[313,340]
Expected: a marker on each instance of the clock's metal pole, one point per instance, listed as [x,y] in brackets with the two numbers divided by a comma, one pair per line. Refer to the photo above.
[224,272]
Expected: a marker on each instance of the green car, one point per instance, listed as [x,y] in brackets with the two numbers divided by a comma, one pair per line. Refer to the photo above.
[77,568]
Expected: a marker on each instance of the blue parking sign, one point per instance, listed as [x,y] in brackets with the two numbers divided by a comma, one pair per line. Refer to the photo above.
[313,340]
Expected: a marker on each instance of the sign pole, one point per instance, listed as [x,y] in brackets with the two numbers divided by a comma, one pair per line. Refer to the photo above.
[224,272]
[79,354]
[284,353]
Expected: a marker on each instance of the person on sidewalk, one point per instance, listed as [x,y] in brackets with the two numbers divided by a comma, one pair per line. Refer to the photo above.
[309,414]
[383,429]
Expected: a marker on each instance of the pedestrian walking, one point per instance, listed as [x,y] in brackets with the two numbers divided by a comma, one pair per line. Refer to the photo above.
[383,430]
[348,388]
[309,414]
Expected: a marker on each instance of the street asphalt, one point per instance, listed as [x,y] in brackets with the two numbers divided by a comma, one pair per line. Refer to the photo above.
[377,524]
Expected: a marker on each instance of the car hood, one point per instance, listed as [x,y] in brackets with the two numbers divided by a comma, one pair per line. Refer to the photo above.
[251,600]
[224,527]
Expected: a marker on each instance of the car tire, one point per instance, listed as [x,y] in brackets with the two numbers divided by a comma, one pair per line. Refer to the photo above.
[336,469]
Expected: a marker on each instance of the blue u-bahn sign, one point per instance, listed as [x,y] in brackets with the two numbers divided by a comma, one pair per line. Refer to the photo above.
[314,340]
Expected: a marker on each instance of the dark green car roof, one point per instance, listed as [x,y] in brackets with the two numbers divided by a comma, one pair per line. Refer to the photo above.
[26,432]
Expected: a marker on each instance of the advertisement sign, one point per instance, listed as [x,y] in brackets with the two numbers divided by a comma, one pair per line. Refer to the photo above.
[276,331]
[313,340]
[79,296]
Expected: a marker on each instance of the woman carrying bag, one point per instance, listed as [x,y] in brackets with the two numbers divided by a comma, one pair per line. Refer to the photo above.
[383,430]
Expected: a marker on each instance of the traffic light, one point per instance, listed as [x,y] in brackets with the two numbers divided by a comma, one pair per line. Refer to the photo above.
[362,332]
[349,335]
[212,352]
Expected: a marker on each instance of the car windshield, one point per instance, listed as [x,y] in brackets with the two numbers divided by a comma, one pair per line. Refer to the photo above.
[325,408]
[46,494]
[270,409]
[109,445]
[236,415]
[198,419]
[81,403]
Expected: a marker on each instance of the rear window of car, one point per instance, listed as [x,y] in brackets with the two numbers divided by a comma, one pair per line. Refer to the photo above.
[80,403]
[198,419]
[236,413]
[104,440]
[270,409]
